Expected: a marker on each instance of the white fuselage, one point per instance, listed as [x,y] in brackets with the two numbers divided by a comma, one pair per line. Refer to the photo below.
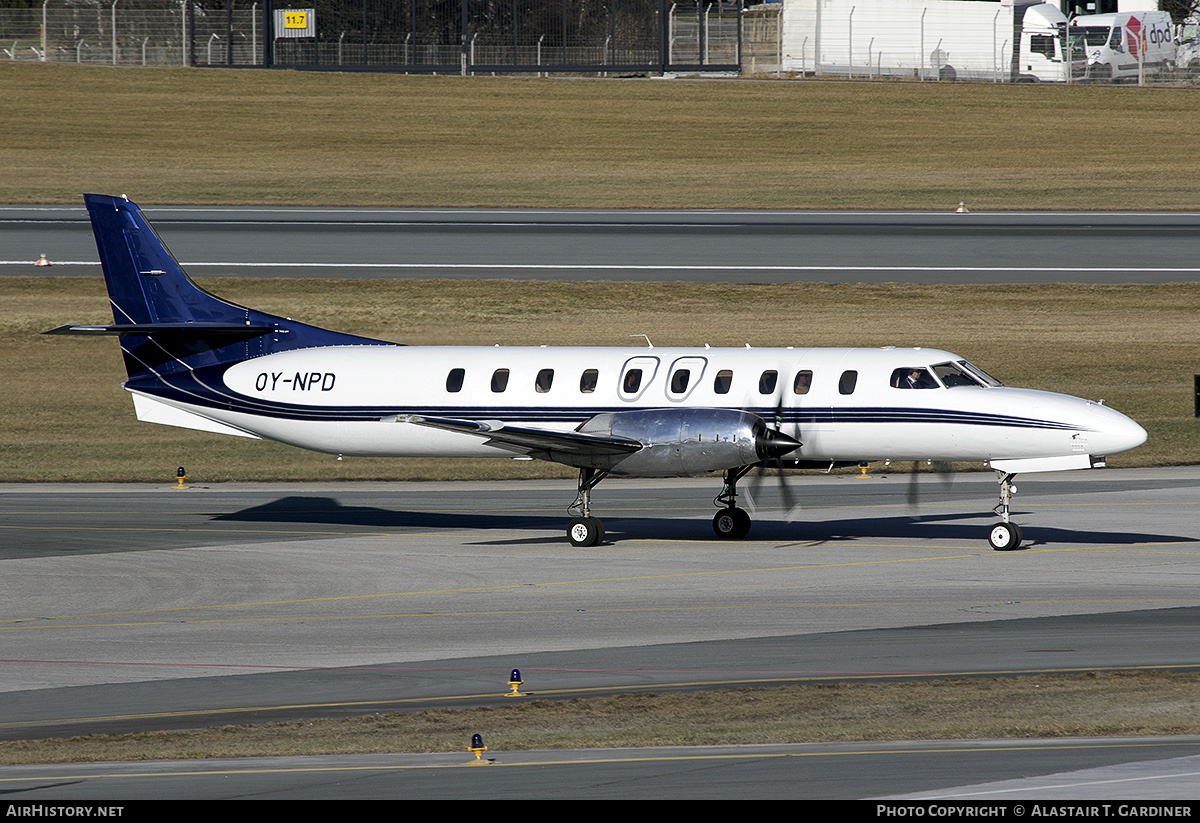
[352,400]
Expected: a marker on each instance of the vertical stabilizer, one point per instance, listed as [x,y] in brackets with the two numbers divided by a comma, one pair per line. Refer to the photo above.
[168,324]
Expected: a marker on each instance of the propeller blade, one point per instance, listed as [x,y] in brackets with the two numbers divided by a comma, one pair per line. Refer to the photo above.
[944,470]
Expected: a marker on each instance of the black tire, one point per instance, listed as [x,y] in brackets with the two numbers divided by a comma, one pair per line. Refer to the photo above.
[585,531]
[731,524]
[1004,537]
[947,73]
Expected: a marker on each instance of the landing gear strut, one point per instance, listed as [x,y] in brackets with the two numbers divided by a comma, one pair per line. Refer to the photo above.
[731,523]
[585,530]
[1005,536]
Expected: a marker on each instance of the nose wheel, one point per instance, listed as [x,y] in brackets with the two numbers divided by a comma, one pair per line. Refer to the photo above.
[1005,535]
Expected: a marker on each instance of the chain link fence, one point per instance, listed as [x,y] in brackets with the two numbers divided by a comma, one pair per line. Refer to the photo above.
[519,36]
[410,35]
[926,40]
[134,32]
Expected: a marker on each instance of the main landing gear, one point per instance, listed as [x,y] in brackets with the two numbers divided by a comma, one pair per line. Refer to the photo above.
[585,530]
[731,523]
[1005,536]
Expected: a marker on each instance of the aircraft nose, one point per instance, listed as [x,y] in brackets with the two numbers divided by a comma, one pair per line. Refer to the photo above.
[1114,432]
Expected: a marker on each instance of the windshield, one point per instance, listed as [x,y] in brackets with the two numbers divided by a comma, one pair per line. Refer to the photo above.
[983,376]
[951,376]
[1092,35]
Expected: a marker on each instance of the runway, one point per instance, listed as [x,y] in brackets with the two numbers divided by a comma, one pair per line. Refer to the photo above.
[578,245]
[142,607]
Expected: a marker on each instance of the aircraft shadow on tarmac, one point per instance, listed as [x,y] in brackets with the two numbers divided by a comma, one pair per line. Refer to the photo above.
[767,526]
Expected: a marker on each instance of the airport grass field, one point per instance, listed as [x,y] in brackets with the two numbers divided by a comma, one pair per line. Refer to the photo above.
[208,136]
[1086,705]
[68,420]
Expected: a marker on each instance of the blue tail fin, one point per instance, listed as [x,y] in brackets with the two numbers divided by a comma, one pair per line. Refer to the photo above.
[168,324]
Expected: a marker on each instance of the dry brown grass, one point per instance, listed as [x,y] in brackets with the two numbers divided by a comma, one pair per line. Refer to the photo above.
[1092,705]
[280,137]
[66,418]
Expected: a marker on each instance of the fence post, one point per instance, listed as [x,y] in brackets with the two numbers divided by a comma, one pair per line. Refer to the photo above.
[268,33]
[995,59]
[850,40]
[462,15]
[923,42]
[114,32]
[671,35]
[43,57]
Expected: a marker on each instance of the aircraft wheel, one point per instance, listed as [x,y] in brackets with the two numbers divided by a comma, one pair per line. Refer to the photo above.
[731,524]
[585,531]
[1004,537]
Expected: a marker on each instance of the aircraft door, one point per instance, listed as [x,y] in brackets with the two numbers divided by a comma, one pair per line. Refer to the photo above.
[636,376]
[683,377]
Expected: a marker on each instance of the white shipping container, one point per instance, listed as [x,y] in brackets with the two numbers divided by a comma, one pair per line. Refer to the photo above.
[928,39]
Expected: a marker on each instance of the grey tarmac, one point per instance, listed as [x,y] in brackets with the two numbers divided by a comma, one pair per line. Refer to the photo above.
[580,245]
[143,607]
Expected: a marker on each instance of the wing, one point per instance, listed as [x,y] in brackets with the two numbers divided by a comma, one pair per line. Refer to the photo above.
[570,447]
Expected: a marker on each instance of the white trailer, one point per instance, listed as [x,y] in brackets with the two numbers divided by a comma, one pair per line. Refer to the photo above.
[1005,41]
[1125,45]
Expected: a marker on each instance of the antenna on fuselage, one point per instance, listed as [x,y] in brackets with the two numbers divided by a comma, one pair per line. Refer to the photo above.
[647,339]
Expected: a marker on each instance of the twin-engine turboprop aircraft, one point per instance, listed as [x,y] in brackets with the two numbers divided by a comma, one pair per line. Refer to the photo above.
[200,362]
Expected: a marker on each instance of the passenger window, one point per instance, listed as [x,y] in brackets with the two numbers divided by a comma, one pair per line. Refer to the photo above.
[679,381]
[500,380]
[587,381]
[803,382]
[633,381]
[545,379]
[848,381]
[454,380]
[766,383]
[723,382]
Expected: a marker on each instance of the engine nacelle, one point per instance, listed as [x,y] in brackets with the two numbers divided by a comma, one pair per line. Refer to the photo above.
[683,442]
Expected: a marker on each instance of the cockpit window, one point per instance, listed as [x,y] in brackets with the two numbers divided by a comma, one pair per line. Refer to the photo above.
[913,377]
[986,378]
[952,376]
[962,373]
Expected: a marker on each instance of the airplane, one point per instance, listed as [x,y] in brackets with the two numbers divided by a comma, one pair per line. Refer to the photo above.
[197,361]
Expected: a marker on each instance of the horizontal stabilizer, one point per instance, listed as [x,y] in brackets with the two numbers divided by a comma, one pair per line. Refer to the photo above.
[169,329]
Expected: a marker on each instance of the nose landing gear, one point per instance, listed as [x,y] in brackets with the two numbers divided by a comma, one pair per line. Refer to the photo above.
[1005,536]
